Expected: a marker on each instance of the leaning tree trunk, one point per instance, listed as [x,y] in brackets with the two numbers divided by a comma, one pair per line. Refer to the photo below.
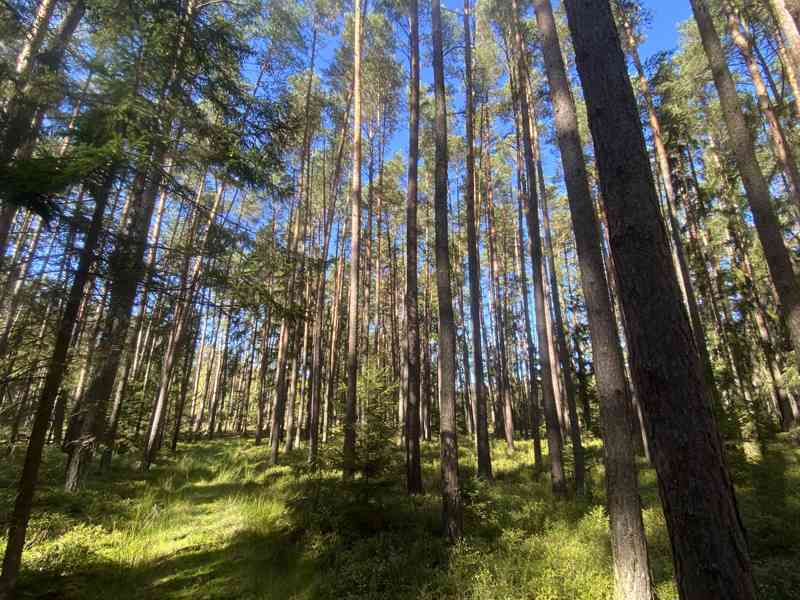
[126,271]
[758,194]
[789,29]
[127,266]
[20,125]
[708,539]
[176,341]
[665,171]
[628,544]
[18,523]
[34,38]
[780,146]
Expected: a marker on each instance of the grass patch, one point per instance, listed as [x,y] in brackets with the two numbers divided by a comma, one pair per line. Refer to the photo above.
[214,521]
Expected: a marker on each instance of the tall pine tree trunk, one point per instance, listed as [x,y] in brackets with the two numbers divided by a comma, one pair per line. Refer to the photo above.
[628,545]
[56,369]
[708,539]
[535,245]
[353,323]
[412,344]
[758,194]
[451,493]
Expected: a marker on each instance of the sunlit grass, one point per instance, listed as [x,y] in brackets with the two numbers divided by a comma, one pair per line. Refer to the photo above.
[215,521]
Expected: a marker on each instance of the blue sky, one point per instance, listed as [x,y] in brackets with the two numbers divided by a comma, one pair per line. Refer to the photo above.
[663,33]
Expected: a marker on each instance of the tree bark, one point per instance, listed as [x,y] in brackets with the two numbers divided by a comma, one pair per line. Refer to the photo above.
[628,544]
[789,30]
[535,247]
[758,194]
[56,370]
[663,163]
[451,493]
[412,366]
[349,452]
[708,539]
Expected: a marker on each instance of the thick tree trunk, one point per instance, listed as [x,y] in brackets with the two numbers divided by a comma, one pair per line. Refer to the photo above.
[663,163]
[708,540]
[628,544]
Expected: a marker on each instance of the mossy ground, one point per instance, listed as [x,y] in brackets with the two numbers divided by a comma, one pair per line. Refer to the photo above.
[214,521]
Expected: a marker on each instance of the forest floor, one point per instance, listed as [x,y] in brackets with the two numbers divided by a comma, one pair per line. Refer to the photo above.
[214,521]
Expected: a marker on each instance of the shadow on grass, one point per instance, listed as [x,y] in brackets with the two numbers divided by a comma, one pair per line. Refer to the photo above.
[313,536]
[330,540]
[767,492]
[249,565]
